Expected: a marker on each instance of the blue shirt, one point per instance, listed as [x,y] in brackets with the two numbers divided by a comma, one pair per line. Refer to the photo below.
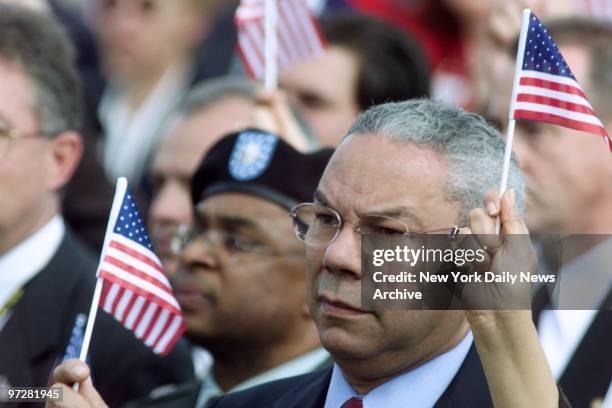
[420,387]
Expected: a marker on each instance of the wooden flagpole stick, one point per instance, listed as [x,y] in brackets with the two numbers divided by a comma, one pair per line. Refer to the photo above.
[271,45]
[512,122]
[120,190]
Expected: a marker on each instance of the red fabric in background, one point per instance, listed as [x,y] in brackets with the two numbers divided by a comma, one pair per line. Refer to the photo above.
[428,20]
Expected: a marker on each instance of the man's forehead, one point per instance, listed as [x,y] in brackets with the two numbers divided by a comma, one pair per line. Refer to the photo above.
[370,161]
[16,82]
[371,174]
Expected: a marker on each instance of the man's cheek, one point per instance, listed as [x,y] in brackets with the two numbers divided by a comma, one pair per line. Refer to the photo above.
[314,258]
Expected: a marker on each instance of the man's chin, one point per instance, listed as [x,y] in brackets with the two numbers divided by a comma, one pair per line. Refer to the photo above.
[345,344]
[198,333]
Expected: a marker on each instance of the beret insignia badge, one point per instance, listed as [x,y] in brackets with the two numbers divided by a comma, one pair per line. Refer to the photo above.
[251,154]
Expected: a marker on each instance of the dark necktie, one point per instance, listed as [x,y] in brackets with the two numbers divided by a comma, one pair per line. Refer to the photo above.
[353,403]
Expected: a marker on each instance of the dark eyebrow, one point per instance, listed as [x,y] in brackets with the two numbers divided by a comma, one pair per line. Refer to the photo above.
[320,198]
[400,213]
[236,222]
[397,212]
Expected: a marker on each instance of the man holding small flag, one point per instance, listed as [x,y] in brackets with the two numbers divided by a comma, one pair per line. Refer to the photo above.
[47,276]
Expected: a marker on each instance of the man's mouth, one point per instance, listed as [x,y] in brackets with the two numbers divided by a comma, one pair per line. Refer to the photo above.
[334,306]
[190,298]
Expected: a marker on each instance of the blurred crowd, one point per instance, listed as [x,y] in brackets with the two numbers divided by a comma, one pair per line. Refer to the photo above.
[152,87]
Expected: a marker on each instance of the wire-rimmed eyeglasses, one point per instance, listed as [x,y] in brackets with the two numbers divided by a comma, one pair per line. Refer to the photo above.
[8,136]
[318,226]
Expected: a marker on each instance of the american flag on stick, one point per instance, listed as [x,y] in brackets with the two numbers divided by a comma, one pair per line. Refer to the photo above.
[131,284]
[298,33]
[545,88]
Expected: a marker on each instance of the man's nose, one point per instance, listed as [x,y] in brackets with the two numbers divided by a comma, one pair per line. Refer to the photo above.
[198,254]
[343,255]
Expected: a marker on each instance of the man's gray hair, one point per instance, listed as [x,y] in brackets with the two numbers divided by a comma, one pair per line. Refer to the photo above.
[472,149]
[214,90]
[38,45]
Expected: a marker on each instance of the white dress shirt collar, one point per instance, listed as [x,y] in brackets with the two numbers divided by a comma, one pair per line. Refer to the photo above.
[420,387]
[24,261]
[301,365]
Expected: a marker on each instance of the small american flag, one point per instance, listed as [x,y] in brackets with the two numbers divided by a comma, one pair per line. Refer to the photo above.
[136,291]
[299,35]
[547,90]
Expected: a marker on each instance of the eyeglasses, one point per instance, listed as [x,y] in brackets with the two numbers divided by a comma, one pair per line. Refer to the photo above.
[319,226]
[9,135]
[232,243]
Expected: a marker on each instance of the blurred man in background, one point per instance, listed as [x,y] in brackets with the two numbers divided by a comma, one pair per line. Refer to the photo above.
[210,111]
[148,53]
[46,275]
[368,62]
[569,177]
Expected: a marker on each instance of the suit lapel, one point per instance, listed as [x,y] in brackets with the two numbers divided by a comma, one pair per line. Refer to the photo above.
[585,377]
[310,393]
[469,388]
[13,354]
[38,329]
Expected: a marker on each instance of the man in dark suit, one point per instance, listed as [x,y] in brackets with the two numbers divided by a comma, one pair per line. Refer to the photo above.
[404,169]
[568,173]
[46,275]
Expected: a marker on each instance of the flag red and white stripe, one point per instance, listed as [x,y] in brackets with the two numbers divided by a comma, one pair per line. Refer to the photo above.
[555,99]
[136,292]
[545,88]
[299,35]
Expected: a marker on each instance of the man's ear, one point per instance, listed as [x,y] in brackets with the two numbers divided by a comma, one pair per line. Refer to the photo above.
[64,153]
[305,312]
